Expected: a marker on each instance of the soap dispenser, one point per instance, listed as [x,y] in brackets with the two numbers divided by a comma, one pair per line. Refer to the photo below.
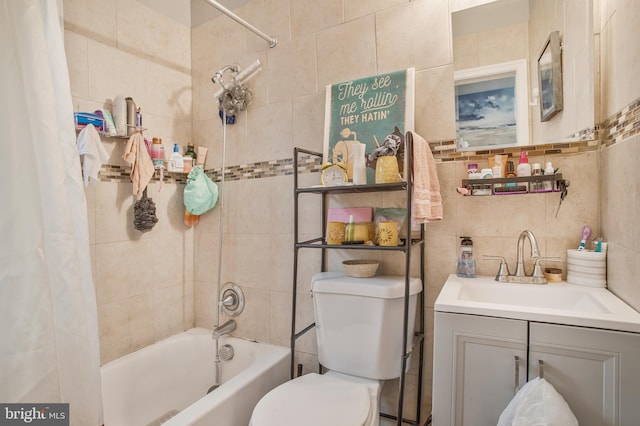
[466,263]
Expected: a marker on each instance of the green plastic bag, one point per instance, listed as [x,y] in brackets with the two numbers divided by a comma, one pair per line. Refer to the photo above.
[200,194]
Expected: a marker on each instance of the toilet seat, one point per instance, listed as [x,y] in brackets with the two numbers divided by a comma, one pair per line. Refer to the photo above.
[314,400]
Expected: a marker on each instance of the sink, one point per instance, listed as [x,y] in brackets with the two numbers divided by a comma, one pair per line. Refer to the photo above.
[565,297]
[556,303]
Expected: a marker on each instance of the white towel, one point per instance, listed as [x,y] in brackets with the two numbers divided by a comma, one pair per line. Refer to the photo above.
[90,145]
[136,154]
[427,200]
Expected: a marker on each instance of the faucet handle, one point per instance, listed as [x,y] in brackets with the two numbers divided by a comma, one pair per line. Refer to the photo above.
[503,270]
[537,268]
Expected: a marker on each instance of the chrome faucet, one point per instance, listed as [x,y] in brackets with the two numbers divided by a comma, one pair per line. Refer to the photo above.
[223,329]
[520,271]
[521,277]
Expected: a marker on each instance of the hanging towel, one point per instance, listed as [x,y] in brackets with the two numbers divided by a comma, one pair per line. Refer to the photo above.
[537,403]
[426,197]
[90,145]
[135,153]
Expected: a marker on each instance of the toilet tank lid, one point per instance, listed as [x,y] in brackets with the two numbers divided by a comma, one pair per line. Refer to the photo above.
[382,286]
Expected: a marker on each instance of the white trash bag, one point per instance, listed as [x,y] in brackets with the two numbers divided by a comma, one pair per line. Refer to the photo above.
[537,403]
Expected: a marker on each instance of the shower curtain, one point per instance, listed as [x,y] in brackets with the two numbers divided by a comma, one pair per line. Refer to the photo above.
[49,349]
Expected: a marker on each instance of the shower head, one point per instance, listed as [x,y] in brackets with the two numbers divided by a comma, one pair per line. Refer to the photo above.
[238,77]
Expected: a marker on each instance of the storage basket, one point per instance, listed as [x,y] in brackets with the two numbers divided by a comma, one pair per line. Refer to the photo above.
[360,268]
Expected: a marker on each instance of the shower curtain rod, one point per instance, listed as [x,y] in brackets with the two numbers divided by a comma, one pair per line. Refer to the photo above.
[271,40]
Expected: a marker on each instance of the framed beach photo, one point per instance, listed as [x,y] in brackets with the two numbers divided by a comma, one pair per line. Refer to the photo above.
[550,77]
[376,111]
[492,106]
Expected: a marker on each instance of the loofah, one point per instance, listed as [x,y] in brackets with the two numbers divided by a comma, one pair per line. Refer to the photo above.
[144,213]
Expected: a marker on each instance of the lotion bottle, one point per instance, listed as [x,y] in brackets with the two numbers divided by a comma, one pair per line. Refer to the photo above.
[176,164]
[496,170]
[524,168]
[548,171]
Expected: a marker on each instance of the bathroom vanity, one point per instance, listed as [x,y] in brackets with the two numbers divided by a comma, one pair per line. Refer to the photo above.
[491,338]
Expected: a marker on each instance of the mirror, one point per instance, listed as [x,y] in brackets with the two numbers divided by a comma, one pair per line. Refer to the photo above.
[488,34]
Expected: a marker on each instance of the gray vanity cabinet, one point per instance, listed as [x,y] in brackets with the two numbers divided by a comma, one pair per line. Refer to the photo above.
[476,370]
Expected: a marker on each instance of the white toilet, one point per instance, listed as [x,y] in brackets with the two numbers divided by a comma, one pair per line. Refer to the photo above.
[359,331]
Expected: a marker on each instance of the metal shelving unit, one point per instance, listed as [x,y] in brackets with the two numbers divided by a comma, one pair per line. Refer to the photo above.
[407,246]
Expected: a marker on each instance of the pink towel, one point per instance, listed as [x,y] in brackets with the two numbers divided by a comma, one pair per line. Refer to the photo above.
[136,154]
[427,201]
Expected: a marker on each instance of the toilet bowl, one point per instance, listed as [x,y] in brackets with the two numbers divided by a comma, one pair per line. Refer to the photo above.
[319,400]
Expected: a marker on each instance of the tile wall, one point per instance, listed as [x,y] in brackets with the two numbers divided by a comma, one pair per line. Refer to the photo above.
[144,282]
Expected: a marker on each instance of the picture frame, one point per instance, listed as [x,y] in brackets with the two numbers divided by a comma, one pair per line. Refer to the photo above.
[492,106]
[368,110]
[550,77]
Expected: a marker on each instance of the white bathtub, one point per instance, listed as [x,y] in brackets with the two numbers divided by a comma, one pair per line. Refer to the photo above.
[173,375]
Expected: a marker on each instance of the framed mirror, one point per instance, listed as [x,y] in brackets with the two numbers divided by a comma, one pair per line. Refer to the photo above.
[550,77]
[490,32]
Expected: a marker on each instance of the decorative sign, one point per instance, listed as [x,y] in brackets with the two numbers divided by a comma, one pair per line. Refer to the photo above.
[369,110]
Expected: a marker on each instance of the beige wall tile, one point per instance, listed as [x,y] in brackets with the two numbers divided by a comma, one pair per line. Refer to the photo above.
[308,121]
[76,51]
[435,108]
[309,16]
[271,17]
[168,311]
[269,134]
[354,9]
[348,51]
[292,69]
[94,17]
[398,46]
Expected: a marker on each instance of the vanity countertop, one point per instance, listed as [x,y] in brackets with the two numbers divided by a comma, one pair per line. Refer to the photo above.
[560,303]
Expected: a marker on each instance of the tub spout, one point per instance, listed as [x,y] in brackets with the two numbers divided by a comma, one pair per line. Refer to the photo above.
[223,329]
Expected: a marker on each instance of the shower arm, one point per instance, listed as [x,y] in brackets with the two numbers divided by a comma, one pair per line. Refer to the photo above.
[271,40]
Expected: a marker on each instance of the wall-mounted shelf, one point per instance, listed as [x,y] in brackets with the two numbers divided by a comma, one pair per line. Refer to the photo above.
[514,185]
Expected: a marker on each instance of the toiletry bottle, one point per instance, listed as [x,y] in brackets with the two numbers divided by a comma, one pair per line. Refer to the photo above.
[350,229]
[472,169]
[359,166]
[466,263]
[524,168]
[175,161]
[191,153]
[549,171]
[157,153]
[131,116]
[536,171]
[496,170]
[511,172]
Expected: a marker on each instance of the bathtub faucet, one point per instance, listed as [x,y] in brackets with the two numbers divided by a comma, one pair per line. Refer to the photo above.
[223,329]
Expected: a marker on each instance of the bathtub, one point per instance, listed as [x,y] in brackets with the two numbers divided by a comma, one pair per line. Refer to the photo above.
[167,382]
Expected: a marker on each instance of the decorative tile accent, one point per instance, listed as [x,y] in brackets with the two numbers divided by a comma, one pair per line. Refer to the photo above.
[616,128]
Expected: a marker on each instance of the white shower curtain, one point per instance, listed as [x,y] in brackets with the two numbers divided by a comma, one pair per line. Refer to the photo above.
[48,317]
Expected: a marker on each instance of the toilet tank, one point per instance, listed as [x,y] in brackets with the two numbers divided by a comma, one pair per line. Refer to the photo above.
[359,323]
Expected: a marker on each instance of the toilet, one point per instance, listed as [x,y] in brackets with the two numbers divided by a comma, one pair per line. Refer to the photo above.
[359,325]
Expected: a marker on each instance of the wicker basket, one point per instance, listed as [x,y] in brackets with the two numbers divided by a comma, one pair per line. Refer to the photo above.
[360,268]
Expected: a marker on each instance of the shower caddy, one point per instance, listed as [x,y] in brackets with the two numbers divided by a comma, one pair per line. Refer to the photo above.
[407,246]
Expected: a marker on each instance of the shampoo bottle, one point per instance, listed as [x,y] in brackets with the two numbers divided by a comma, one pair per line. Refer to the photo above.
[524,168]
[496,170]
[466,263]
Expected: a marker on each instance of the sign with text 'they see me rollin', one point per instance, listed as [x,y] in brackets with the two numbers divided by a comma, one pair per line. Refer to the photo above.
[368,110]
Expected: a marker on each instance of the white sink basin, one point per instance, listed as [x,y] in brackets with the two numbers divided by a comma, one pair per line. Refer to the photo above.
[558,302]
[565,297]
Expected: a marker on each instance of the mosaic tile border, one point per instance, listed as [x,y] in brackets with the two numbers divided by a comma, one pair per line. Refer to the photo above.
[616,128]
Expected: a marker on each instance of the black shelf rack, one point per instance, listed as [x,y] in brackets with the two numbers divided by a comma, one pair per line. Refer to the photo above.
[406,246]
